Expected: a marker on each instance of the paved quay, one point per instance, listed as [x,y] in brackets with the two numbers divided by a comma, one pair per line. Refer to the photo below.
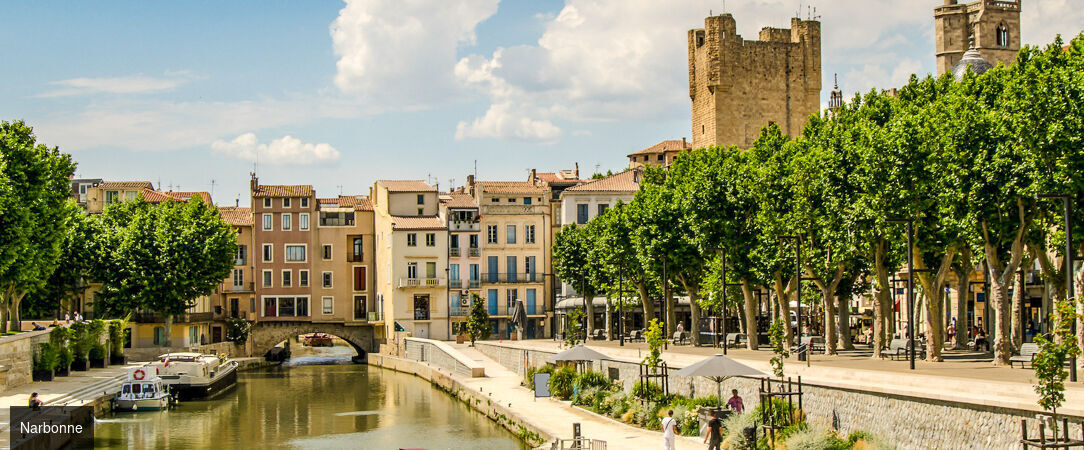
[557,417]
[963,377]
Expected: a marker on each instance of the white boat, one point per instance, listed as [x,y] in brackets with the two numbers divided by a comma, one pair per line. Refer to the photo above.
[195,375]
[142,391]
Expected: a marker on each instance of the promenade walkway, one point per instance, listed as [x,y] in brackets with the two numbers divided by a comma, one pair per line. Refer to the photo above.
[556,417]
[963,377]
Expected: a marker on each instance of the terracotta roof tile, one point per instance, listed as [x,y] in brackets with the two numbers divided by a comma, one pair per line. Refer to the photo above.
[627,181]
[236,216]
[670,145]
[153,196]
[407,186]
[458,200]
[417,223]
[126,185]
[284,190]
[510,187]
[358,202]
[564,177]
[363,204]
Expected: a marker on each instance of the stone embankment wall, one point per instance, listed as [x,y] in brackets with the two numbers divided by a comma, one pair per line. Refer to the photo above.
[17,357]
[908,422]
[482,403]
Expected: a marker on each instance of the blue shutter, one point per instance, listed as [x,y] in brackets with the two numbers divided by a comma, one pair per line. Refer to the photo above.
[512,269]
[530,301]
[492,302]
[492,269]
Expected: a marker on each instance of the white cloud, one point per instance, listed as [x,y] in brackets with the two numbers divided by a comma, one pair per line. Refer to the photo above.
[1040,21]
[135,84]
[286,150]
[401,53]
[503,120]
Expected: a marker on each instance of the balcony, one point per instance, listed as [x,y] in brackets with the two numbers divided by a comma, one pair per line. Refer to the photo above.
[474,252]
[512,277]
[355,258]
[474,284]
[459,311]
[408,283]
[463,225]
[370,316]
[453,252]
[245,287]
[240,261]
[146,317]
[421,314]
[455,284]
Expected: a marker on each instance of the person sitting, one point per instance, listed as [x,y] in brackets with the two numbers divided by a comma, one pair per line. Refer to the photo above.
[735,403]
[34,403]
[54,324]
[36,326]
[980,340]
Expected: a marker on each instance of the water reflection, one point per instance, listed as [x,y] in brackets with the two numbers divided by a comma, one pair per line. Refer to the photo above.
[313,406]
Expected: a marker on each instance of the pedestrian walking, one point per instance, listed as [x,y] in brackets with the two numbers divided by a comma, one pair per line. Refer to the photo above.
[669,426]
[67,318]
[714,436]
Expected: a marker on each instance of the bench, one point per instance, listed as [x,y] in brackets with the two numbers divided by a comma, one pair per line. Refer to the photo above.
[634,336]
[680,338]
[599,334]
[1026,356]
[732,339]
[899,350]
[812,342]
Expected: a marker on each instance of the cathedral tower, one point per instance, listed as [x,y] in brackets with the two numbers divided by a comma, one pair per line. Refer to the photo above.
[994,24]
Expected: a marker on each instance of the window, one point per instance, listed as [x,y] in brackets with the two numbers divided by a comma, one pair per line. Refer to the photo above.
[270,307]
[303,278]
[453,272]
[530,265]
[360,279]
[268,253]
[412,270]
[495,200]
[267,222]
[241,257]
[526,200]
[421,212]
[267,203]
[358,249]
[512,200]
[454,243]
[474,241]
[327,252]
[474,272]
[510,297]
[511,268]
[659,158]
[111,197]
[327,279]
[286,203]
[581,214]
[491,266]
[305,202]
[602,207]
[295,253]
[328,305]
[303,221]
[336,219]
[421,307]
[238,277]
[510,234]
[412,240]
[528,234]
[267,278]
[430,270]
[302,306]
[286,221]
[287,276]
[421,199]
[83,189]
[359,307]
[430,239]
[1002,36]
[491,234]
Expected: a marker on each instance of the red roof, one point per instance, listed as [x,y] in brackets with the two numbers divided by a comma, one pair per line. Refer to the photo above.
[458,200]
[671,145]
[627,181]
[417,223]
[236,215]
[126,185]
[407,186]
[153,196]
[284,190]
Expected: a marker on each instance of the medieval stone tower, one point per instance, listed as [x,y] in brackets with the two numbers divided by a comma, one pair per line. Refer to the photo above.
[737,86]
[994,24]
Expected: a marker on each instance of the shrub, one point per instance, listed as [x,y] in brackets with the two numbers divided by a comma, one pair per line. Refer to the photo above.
[46,358]
[810,438]
[646,414]
[561,382]
[528,377]
[97,348]
[59,337]
[78,341]
[646,390]
[587,397]
[116,335]
[592,379]
[615,404]
[783,413]
[732,430]
[863,440]
[237,330]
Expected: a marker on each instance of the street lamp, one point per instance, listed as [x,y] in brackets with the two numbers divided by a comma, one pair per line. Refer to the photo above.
[910,287]
[665,297]
[798,284]
[1070,295]
[621,308]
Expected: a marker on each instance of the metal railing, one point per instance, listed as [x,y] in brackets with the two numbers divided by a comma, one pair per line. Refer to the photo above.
[421,282]
[512,277]
[454,252]
[245,287]
[474,284]
[355,258]
[459,311]
[371,316]
[474,252]
[578,444]
[455,283]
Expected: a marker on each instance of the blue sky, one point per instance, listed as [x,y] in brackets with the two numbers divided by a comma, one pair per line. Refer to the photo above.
[338,94]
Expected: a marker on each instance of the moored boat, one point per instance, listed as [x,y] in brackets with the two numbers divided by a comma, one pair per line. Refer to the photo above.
[195,375]
[142,391]
[318,340]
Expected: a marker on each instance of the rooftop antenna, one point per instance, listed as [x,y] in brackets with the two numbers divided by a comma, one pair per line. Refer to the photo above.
[815,15]
[798,13]
[340,188]
[451,184]
[476,169]
[212,188]
[159,183]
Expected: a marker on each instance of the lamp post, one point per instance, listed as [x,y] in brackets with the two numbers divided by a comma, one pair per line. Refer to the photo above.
[665,296]
[1070,295]
[910,287]
[621,308]
[798,283]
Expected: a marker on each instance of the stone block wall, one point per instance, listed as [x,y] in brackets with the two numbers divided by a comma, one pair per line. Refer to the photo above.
[908,422]
[17,357]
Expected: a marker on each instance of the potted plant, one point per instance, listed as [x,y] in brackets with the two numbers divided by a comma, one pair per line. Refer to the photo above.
[80,346]
[59,337]
[45,360]
[116,340]
[99,348]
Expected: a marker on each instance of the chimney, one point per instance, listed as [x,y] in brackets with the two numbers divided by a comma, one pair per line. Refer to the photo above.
[253,182]
[683,144]
[532,178]
[237,203]
[577,173]
[470,184]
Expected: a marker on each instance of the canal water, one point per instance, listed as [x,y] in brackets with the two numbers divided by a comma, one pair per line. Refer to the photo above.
[313,402]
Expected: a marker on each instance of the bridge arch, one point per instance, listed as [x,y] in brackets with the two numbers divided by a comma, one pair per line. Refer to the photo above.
[265,335]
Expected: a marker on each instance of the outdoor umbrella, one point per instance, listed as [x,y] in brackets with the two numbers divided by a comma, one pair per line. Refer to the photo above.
[718,368]
[519,317]
[579,353]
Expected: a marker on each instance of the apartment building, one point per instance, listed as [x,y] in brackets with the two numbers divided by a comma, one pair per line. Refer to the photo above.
[237,294]
[515,223]
[459,212]
[105,193]
[411,245]
[80,186]
[284,233]
[344,263]
[661,154]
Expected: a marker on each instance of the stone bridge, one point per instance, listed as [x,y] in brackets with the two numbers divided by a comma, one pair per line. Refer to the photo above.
[267,334]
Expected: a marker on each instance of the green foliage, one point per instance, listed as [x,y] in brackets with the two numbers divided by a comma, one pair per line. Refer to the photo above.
[60,338]
[574,327]
[783,413]
[79,342]
[237,330]
[95,333]
[814,438]
[655,340]
[47,357]
[528,376]
[732,427]
[478,321]
[591,378]
[561,382]
[778,336]
[646,390]
[116,335]
[1049,364]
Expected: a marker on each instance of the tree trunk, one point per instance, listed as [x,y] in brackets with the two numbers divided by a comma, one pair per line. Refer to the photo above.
[609,320]
[671,315]
[646,303]
[963,293]
[883,308]
[752,341]
[13,310]
[1078,288]
[168,341]
[589,309]
[782,297]
[1016,321]
[999,292]
[846,341]
[830,332]
[694,310]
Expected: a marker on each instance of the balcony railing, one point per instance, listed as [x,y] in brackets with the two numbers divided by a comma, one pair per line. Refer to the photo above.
[240,261]
[474,252]
[421,282]
[512,277]
[461,225]
[474,284]
[459,311]
[146,317]
[245,287]
[370,316]
[355,258]
[421,314]
[454,252]
[455,284]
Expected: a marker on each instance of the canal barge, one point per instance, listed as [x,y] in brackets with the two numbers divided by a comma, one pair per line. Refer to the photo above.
[318,340]
[194,375]
[142,391]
